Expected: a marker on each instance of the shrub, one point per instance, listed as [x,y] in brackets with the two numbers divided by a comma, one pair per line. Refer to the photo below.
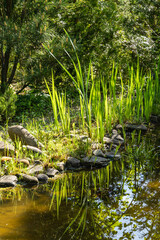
[7,105]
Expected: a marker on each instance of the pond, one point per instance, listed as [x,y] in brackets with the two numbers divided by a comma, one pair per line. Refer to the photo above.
[120,201]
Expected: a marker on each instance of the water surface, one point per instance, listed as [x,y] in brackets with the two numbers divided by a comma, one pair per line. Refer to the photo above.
[121,201]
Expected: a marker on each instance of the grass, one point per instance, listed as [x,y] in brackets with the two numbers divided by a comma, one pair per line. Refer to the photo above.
[57,147]
[101,103]
[104,106]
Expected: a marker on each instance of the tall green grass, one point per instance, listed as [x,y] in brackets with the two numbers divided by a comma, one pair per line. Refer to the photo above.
[60,110]
[102,103]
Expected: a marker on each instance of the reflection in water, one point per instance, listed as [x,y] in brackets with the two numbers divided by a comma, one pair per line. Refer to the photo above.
[121,201]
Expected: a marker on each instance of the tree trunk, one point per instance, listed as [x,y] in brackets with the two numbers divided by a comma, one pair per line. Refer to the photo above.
[5,65]
[5,80]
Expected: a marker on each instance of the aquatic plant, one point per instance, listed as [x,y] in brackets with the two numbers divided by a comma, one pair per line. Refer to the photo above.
[101,102]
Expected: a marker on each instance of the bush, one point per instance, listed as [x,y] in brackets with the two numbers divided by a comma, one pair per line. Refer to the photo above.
[7,105]
[33,105]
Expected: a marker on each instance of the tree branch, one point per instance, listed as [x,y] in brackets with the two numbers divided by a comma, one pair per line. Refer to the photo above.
[24,86]
[13,70]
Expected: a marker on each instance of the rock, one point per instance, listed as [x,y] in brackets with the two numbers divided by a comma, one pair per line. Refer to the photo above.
[118,142]
[25,162]
[114,132]
[83,137]
[29,180]
[98,152]
[85,160]
[60,166]
[107,140]
[117,139]
[120,138]
[42,178]
[72,162]
[114,146]
[32,149]
[114,137]
[87,140]
[37,162]
[8,181]
[95,145]
[6,159]
[95,161]
[35,169]
[132,127]
[112,155]
[154,119]
[18,132]
[6,148]
[51,172]
[119,127]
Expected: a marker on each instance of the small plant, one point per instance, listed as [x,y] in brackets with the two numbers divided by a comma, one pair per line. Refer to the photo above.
[7,105]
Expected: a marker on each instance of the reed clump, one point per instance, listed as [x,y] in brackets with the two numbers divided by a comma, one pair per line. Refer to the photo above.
[102,102]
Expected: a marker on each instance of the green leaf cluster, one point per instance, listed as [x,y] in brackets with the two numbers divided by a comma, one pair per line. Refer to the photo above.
[7,105]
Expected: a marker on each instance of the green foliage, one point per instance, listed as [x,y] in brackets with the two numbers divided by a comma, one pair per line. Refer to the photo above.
[21,27]
[104,108]
[103,31]
[32,105]
[7,105]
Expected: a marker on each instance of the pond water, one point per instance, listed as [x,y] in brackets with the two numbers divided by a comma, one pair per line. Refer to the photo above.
[121,201]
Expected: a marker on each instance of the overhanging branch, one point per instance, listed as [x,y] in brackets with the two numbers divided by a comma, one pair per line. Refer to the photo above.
[24,86]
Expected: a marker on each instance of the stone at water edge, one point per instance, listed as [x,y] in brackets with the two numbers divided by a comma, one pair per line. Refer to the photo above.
[51,172]
[112,155]
[35,169]
[8,181]
[18,132]
[6,149]
[72,162]
[42,178]
[29,180]
[95,161]
[60,166]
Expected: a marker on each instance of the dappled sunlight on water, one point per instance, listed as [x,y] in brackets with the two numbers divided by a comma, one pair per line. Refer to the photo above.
[121,201]
[128,209]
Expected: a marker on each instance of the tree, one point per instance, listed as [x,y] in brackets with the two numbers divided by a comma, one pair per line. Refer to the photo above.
[138,32]
[21,33]
[90,24]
